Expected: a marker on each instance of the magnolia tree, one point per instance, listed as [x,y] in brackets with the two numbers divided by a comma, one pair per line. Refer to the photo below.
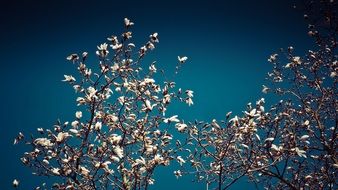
[293,144]
[220,152]
[297,148]
[123,134]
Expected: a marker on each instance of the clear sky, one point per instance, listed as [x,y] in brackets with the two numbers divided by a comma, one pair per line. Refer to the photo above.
[227,42]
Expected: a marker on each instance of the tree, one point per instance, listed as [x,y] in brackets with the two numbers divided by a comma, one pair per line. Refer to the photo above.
[123,136]
[298,149]
[292,145]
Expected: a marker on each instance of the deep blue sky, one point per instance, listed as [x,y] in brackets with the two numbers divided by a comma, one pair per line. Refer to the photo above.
[227,42]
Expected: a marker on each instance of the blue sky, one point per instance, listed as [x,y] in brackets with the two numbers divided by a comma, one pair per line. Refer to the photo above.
[227,42]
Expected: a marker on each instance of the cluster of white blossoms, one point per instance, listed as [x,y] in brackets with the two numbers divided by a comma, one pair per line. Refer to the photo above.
[125,136]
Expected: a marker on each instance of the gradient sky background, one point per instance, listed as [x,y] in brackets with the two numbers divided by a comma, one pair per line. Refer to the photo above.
[227,42]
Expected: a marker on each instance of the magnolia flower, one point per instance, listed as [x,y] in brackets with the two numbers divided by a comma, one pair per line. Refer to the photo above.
[113,39]
[62,136]
[189,101]
[55,171]
[152,68]
[304,137]
[118,151]
[77,88]
[115,139]
[273,58]
[265,89]
[40,130]
[181,126]
[154,38]
[150,149]
[171,119]
[308,177]
[78,114]
[182,59]
[158,158]
[15,183]
[115,158]
[68,78]
[235,120]
[149,106]
[91,92]
[112,118]
[102,47]
[116,46]
[252,113]
[98,126]
[215,124]
[178,173]
[228,114]
[142,51]
[180,160]
[43,142]
[84,171]
[102,50]
[74,124]
[269,139]
[73,57]
[300,152]
[45,161]
[189,93]
[276,148]
[84,54]
[74,131]
[127,35]
[121,100]
[297,60]
[149,80]
[18,138]
[151,181]
[245,146]
[127,22]
[140,161]
[150,46]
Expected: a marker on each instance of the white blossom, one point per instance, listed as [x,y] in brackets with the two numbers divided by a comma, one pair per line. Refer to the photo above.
[178,173]
[118,151]
[181,126]
[300,152]
[98,126]
[182,59]
[69,78]
[15,183]
[56,171]
[127,22]
[154,37]
[78,114]
[171,119]
[269,139]
[180,160]
[73,57]
[62,136]
[84,171]
[265,89]
[189,93]
[43,142]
